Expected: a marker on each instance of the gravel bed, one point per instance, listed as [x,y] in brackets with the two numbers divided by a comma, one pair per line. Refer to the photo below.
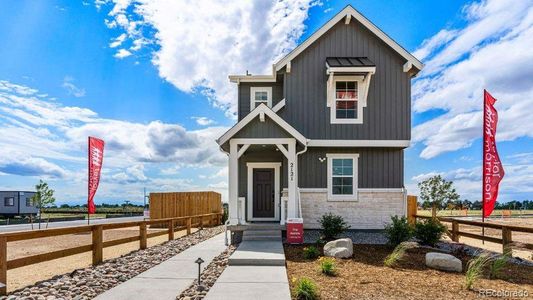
[208,276]
[89,282]
[358,237]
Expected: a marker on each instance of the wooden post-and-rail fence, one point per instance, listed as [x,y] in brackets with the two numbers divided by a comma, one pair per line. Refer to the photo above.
[506,239]
[98,244]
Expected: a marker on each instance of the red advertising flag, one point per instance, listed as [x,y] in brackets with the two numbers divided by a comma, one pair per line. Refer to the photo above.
[492,166]
[96,157]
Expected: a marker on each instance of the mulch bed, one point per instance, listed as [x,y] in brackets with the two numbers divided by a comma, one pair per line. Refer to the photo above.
[365,277]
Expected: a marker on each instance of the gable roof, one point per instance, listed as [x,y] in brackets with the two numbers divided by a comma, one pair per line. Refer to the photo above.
[348,12]
[261,109]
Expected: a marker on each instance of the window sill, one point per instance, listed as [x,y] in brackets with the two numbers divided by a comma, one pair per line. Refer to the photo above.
[346,121]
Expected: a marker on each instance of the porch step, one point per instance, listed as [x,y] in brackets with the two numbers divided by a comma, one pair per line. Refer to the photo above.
[261,235]
[261,238]
[258,253]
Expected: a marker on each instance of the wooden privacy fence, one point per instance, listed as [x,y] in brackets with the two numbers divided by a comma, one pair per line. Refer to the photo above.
[507,232]
[180,204]
[97,244]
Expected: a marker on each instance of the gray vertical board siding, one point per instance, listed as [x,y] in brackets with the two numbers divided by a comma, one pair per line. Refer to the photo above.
[10,210]
[266,129]
[387,115]
[244,94]
[377,168]
[27,209]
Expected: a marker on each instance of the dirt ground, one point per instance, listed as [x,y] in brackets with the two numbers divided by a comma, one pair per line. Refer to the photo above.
[20,277]
[365,277]
[519,237]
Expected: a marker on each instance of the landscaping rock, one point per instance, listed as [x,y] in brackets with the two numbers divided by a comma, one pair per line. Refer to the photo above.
[444,262]
[88,282]
[341,248]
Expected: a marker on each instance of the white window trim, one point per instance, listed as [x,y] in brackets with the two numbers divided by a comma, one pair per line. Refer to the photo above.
[353,196]
[250,188]
[361,99]
[267,89]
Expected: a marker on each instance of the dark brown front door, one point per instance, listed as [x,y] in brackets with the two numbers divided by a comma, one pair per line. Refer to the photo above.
[263,191]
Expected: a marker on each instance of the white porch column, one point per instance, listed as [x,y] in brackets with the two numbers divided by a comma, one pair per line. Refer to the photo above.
[292,205]
[233,183]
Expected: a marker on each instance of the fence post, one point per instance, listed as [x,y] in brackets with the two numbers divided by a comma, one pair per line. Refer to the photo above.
[98,252]
[170,230]
[201,222]
[507,239]
[189,223]
[455,231]
[3,265]
[142,235]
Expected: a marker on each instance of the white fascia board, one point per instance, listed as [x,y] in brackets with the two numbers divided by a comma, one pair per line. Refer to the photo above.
[349,10]
[371,70]
[251,78]
[262,108]
[279,105]
[358,143]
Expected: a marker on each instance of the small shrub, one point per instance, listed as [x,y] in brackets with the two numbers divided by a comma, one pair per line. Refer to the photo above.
[332,225]
[327,266]
[398,231]
[224,215]
[475,268]
[497,265]
[311,252]
[429,231]
[397,254]
[306,289]
[320,243]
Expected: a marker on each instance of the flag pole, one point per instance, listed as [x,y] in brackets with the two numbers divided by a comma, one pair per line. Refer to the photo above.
[88,177]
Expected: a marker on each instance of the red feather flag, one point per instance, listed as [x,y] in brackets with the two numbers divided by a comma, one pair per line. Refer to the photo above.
[96,157]
[492,167]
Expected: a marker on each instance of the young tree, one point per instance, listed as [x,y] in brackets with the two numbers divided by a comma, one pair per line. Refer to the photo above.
[43,197]
[437,192]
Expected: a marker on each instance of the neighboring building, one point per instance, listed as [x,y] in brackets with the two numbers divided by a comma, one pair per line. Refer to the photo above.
[326,131]
[16,203]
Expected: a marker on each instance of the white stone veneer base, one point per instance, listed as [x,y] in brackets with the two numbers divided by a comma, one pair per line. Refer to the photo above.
[372,210]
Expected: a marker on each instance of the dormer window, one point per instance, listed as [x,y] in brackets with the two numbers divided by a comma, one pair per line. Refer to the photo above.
[260,95]
[348,82]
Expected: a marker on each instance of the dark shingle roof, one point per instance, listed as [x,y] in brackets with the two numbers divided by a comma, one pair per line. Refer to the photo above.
[349,62]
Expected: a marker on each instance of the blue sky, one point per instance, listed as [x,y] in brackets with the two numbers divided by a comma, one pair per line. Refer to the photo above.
[149,78]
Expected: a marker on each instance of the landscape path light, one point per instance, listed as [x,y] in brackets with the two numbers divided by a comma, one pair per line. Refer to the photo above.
[199,261]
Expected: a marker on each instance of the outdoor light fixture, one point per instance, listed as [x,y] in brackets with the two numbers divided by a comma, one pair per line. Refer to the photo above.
[199,261]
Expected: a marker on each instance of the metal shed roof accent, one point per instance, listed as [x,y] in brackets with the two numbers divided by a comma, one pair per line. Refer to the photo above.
[336,62]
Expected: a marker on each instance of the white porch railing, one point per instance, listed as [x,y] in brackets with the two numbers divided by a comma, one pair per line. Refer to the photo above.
[241,215]
[299,202]
[284,205]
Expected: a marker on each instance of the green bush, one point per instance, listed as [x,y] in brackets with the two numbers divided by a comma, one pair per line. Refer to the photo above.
[398,231]
[429,231]
[327,266]
[332,225]
[224,214]
[306,289]
[311,252]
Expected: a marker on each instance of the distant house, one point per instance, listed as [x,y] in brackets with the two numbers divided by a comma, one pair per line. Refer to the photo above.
[16,203]
[325,131]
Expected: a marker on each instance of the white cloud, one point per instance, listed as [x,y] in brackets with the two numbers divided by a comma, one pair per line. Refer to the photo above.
[203,121]
[201,42]
[58,136]
[72,89]
[118,41]
[122,53]
[494,52]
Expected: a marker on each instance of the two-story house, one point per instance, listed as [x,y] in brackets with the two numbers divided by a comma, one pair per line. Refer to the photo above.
[326,131]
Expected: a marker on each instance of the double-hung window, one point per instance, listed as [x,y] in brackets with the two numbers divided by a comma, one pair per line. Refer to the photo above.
[342,177]
[346,100]
[260,95]
[9,201]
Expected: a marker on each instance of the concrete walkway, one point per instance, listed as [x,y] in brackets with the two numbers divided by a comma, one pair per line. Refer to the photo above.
[168,279]
[256,271]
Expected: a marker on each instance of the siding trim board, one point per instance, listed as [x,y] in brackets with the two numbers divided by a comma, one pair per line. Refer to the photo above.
[359,143]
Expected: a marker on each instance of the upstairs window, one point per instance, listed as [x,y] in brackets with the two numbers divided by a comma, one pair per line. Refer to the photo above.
[342,177]
[260,95]
[346,97]
[29,202]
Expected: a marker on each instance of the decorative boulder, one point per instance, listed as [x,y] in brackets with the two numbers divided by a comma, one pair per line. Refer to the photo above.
[341,248]
[444,262]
